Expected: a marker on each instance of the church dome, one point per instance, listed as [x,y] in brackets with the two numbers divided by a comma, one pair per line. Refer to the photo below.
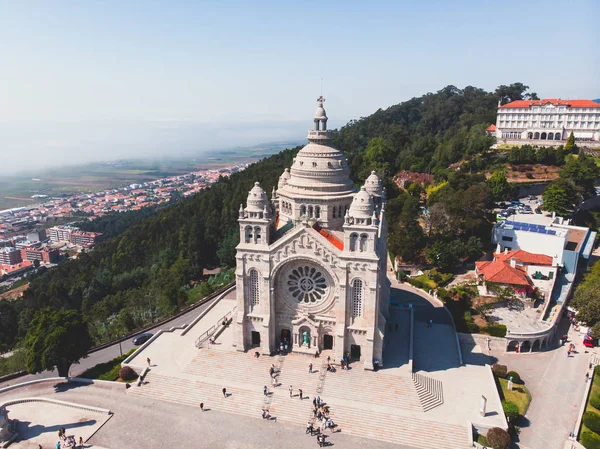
[373,184]
[283,179]
[362,205]
[257,199]
[319,169]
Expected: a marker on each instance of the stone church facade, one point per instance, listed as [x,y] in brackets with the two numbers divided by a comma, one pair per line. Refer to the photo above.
[311,263]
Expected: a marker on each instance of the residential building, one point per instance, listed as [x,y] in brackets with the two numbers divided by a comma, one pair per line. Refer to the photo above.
[45,254]
[10,256]
[38,235]
[83,238]
[60,233]
[548,122]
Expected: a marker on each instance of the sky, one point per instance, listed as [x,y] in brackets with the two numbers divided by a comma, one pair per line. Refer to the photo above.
[101,80]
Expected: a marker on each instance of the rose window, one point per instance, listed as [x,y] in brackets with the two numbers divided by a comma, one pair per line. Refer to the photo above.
[307,284]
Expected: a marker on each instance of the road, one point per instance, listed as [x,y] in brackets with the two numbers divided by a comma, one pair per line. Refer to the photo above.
[110,352]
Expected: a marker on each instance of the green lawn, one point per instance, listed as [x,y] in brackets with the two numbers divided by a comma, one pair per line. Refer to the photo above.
[108,370]
[595,391]
[519,395]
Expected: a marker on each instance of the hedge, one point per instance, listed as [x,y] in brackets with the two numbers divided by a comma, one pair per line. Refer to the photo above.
[511,410]
[595,402]
[590,440]
[592,421]
[500,370]
[497,330]
[515,377]
[498,438]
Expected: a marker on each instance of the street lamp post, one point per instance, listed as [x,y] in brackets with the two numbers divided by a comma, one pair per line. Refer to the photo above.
[120,348]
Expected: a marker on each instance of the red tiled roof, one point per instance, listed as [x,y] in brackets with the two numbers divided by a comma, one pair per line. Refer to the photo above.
[524,257]
[525,104]
[329,236]
[492,127]
[502,273]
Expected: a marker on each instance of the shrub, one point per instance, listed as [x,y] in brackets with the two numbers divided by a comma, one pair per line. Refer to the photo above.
[127,373]
[592,421]
[511,410]
[112,374]
[595,402]
[497,330]
[473,328]
[498,438]
[499,370]
[515,377]
[442,293]
[590,440]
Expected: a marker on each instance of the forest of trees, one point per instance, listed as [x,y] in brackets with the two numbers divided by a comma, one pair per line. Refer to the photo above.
[148,259]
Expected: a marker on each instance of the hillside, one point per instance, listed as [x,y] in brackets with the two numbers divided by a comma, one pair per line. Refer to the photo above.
[143,273]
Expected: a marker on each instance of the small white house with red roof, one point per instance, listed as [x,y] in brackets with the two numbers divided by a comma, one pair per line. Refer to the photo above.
[525,272]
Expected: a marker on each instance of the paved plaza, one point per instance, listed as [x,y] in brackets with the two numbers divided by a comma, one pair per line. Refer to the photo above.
[390,408]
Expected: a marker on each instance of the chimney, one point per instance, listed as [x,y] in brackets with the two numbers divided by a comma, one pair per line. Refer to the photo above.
[513,262]
[505,250]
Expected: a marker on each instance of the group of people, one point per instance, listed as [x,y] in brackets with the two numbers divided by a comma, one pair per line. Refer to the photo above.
[65,440]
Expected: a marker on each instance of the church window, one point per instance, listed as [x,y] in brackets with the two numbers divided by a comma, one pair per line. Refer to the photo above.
[307,284]
[254,288]
[317,212]
[333,208]
[310,211]
[353,242]
[363,243]
[302,210]
[357,296]
[248,234]
[257,235]
[314,164]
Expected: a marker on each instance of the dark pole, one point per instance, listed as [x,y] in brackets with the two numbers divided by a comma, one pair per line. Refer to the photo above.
[120,349]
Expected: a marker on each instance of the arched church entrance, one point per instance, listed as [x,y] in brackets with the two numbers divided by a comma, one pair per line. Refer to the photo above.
[327,341]
[255,338]
[285,338]
[355,352]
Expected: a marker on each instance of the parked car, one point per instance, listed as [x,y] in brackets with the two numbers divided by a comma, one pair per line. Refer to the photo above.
[589,342]
[516,203]
[141,339]
[532,197]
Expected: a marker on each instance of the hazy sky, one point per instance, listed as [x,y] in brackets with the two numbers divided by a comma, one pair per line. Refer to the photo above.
[84,80]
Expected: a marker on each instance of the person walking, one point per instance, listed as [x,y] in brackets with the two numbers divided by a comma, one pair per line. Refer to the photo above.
[265,390]
[310,368]
[271,371]
[315,403]
[587,376]
[224,392]
[80,442]
[148,360]
[202,406]
[318,401]
[309,428]
[300,391]
[291,391]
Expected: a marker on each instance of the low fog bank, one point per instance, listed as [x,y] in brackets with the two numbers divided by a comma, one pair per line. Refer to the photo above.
[33,145]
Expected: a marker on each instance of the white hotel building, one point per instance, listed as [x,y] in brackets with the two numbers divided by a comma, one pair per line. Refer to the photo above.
[541,121]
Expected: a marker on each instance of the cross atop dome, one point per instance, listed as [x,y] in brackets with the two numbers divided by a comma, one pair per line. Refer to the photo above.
[320,116]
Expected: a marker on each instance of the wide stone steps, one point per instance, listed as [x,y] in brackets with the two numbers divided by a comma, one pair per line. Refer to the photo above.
[192,392]
[231,367]
[409,431]
[373,388]
[430,391]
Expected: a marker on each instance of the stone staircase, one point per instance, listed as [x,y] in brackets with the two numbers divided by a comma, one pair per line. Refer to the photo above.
[373,388]
[192,392]
[405,430]
[378,405]
[430,391]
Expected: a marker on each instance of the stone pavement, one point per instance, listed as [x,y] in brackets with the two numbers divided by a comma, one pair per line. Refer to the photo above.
[39,422]
[139,422]
[556,383]
[430,409]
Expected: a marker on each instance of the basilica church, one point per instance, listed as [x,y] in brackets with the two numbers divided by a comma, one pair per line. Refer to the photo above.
[312,260]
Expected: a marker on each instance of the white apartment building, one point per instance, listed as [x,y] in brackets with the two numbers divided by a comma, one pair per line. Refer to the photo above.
[542,121]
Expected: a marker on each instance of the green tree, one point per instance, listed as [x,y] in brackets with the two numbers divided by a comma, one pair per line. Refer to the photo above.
[56,339]
[560,196]
[226,251]
[513,92]
[8,325]
[378,156]
[443,255]
[501,189]
[583,172]
[587,298]
[570,146]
